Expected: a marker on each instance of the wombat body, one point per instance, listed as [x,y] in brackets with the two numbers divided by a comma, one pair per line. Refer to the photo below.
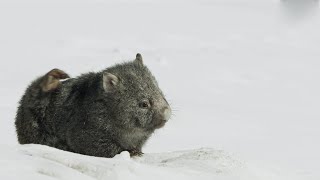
[99,114]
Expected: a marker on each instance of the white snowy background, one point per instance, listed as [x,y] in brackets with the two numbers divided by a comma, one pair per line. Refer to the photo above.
[242,76]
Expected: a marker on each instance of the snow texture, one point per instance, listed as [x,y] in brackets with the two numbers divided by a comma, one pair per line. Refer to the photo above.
[241,75]
[42,162]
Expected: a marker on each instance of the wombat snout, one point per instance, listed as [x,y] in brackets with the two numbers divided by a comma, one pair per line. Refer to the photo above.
[162,117]
[166,113]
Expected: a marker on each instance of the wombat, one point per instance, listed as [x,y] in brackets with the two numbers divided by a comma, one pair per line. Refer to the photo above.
[98,114]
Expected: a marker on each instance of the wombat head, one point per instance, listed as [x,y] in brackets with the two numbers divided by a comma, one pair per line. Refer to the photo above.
[137,101]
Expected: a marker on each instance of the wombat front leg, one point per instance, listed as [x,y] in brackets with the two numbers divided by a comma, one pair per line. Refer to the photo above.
[135,152]
[50,81]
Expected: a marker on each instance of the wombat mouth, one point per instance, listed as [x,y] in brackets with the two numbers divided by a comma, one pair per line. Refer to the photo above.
[160,124]
[157,124]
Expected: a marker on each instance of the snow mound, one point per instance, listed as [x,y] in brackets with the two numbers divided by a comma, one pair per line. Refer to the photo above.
[42,162]
[200,161]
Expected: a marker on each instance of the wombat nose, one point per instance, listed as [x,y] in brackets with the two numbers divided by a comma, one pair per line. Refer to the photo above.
[166,113]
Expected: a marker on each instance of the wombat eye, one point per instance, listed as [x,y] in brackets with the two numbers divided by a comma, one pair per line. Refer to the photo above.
[145,104]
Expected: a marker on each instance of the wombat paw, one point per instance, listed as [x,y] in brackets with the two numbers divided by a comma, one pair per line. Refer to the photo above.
[51,81]
[134,153]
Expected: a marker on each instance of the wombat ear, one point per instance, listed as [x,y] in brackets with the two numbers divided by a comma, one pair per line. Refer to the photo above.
[138,59]
[110,81]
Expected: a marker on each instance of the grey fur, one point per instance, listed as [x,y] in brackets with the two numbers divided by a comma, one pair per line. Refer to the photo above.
[98,114]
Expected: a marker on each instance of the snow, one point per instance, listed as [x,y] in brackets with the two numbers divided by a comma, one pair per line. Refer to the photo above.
[242,77]
[42,162]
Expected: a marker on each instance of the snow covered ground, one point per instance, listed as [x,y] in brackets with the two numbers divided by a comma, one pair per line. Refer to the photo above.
[242,76]
[42,162]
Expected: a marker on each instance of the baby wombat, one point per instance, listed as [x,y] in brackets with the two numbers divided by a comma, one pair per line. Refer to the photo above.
[99,114]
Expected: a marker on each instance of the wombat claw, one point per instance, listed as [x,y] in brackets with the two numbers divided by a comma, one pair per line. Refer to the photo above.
[135,153]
